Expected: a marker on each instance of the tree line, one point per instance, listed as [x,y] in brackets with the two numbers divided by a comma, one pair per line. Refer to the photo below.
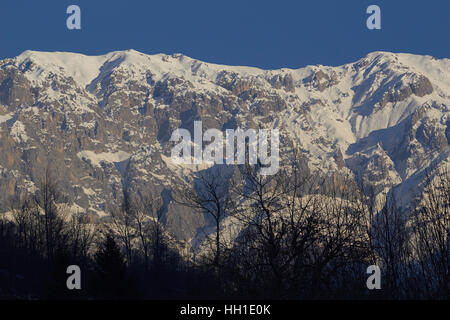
[292,235]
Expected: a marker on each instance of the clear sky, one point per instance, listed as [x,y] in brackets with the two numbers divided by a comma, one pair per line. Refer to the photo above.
[261,33]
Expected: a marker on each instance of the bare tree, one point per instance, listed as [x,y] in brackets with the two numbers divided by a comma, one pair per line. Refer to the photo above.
[47,198]
[431,234]
[123,226]
[209,194]
[138,225]
[81,234]
[295,238]
[147,213]
[30,236]
[273,217]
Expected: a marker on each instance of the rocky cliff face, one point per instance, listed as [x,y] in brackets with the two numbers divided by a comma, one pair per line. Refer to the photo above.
[104,123]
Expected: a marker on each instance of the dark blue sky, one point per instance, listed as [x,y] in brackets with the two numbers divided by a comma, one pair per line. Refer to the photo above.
[266,34]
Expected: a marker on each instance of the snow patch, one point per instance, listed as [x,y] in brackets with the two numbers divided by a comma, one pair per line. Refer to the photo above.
[97,158]
[18,132]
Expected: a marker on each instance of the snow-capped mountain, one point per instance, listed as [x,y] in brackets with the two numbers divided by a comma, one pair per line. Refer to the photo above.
[105,121]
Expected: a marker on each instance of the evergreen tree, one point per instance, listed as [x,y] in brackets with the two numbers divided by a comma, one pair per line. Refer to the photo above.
[110,270]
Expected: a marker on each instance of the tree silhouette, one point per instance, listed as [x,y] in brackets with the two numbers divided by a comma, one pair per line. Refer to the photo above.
[110,270]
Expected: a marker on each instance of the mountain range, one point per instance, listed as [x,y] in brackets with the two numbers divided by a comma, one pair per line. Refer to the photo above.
[104,122]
